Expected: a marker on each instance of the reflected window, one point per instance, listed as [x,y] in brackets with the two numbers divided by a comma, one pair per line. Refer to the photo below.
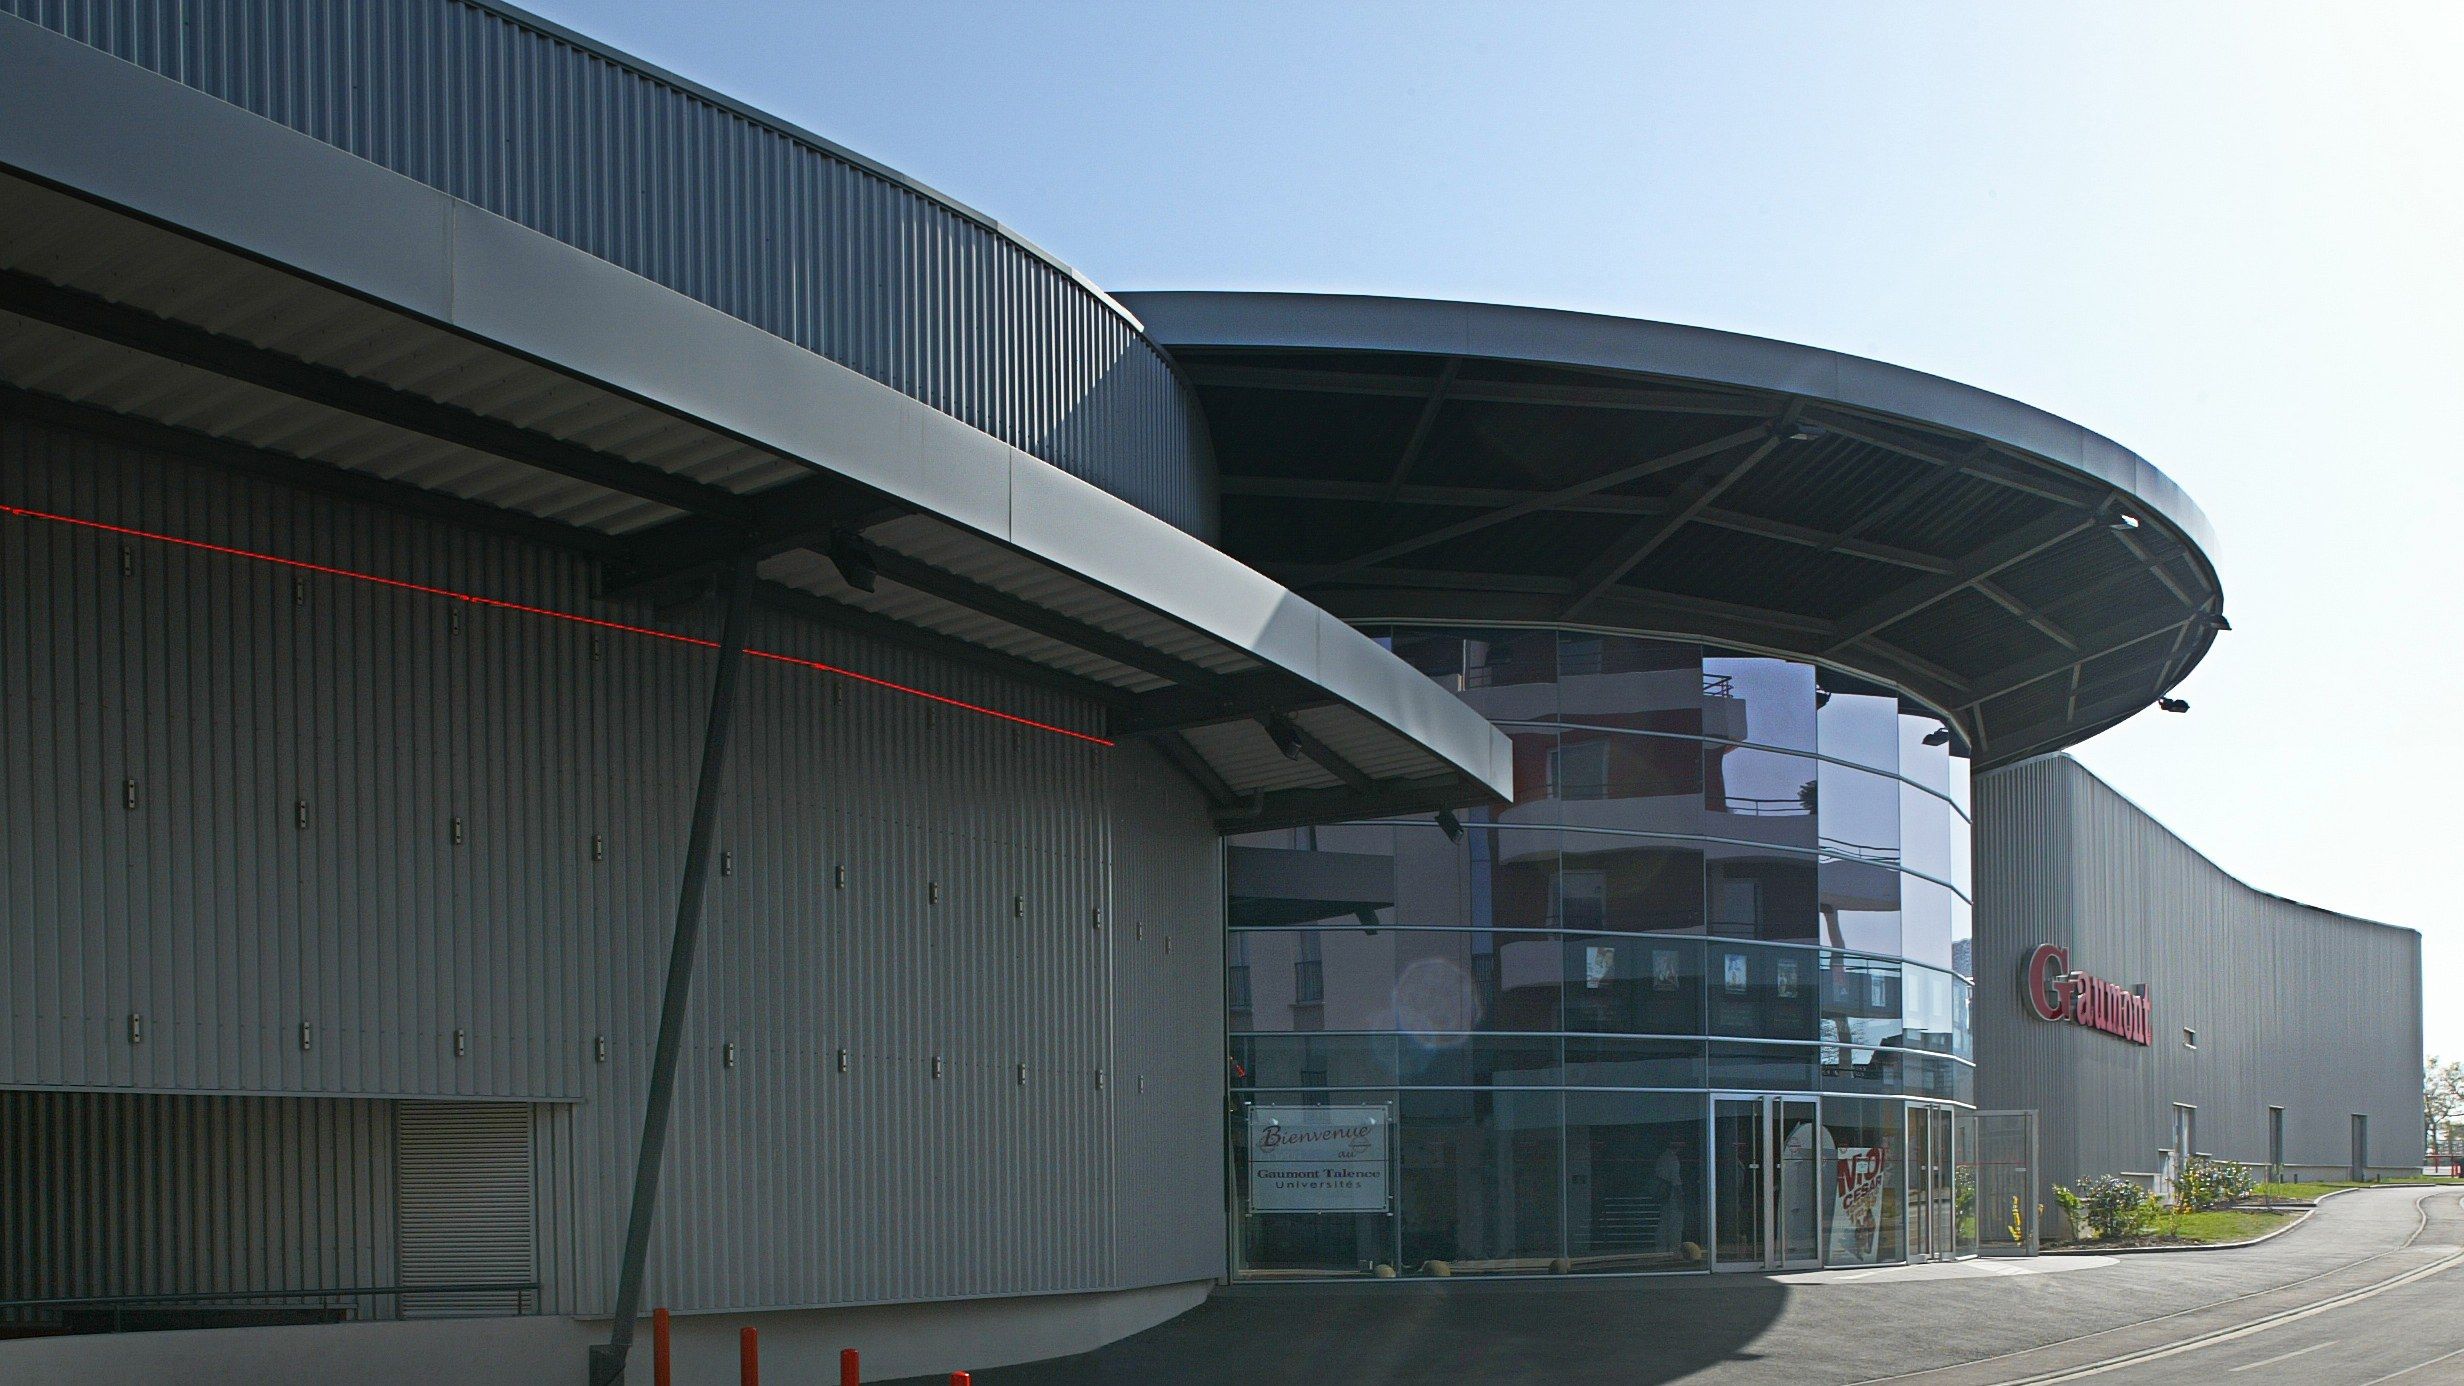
[1578,769]
[1760,796]
[1860,905]
[1648,886]
[1766,701]
[1761,895]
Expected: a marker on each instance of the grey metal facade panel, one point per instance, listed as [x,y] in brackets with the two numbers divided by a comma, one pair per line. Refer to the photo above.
[976,854]
[2294,1007]
[244,1193]
[739,212]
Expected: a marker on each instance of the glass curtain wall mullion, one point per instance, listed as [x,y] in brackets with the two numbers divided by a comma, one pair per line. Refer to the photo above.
[1703,884]
[1948,798]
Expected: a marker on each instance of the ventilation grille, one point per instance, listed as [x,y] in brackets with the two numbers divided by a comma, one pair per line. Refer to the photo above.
[466,1207]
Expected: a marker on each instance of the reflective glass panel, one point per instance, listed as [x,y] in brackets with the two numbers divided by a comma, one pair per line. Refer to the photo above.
[1479,1061]
[1859,727]
[1859,812]
[1765,1067]
[1860,905]
[1925,922]
[1751,893]
[1860,1024]
[1928,765]
[1313,1061]
[1482,1181]
[1925,838]
[1766,701]
[1639,884]
[1635,1181]
[1511,675]
[1599,1061]
[1625,985]
[1305,1243]
[1760,796]
[1765,993]
[1620,681]
[1867,1195]
[1627,781]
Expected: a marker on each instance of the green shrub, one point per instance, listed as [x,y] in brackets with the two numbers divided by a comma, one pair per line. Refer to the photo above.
[2204,1183]
[2108,1207]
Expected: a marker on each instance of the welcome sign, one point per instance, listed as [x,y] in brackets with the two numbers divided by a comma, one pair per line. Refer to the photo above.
[1318,1159]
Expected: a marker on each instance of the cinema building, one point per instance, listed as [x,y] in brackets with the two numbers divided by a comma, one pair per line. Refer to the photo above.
[612,705]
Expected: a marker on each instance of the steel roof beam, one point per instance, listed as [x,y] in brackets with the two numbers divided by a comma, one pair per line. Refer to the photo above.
[1185,758]
[187,345]
[2003,599]
[1482,497]
[1238,698]
[1040,620]
[2009,551]
[1287,808]
[1316,382]
[2010,678]
[1640,542]
[1421,430]
[1979,461]
[1618,477]
[798,514]
[1327,757]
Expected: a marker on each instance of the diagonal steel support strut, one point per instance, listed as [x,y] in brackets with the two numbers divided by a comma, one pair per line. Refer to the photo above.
[607,1360]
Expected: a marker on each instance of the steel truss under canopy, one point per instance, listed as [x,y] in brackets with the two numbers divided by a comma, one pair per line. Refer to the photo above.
[1396,459]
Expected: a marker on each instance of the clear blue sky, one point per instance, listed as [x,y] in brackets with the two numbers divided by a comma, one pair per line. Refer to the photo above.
[2227,235]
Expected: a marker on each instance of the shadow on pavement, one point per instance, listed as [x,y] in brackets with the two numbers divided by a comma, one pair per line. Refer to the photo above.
[1637,1330]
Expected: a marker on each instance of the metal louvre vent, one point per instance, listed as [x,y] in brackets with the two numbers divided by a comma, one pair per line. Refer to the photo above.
[465,1207]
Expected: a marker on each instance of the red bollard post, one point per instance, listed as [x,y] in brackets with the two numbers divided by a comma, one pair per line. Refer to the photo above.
[850,1368]
[961,1379]
[748,1356]
[662,1364]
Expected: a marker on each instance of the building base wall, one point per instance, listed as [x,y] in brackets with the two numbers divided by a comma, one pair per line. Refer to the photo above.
[896,1340]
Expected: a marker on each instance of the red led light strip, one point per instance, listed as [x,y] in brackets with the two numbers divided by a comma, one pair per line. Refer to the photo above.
[502,605]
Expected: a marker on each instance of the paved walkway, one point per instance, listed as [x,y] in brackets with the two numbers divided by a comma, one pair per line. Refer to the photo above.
[1979,1324]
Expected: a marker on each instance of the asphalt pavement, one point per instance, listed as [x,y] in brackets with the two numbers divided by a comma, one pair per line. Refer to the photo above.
[2363,1292]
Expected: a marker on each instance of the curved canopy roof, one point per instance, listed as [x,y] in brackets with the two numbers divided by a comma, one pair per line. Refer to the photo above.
[1403,459]
[180,272]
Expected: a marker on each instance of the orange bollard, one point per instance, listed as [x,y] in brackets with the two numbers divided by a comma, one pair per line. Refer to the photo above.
[748,1356]
[850,1368]
[662,1367]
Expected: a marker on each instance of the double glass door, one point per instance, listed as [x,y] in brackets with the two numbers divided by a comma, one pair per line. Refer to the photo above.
[1767,1189]
[1933,1184]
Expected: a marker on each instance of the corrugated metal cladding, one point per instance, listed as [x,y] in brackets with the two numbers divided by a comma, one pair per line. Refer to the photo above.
[371,827]
[129,1193]
[741,214]
[2294,1007]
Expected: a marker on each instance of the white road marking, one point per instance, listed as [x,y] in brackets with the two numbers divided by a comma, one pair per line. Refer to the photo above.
[2417,1366]
[2284,1356]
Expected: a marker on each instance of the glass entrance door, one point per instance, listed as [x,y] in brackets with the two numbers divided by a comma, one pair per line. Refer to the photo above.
[1933,1185]
[1768,1158]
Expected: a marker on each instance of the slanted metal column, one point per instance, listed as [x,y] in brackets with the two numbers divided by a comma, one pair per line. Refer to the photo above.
[607,1360]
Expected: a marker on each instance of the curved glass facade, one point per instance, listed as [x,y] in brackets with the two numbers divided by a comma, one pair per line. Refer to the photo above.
[1698,998]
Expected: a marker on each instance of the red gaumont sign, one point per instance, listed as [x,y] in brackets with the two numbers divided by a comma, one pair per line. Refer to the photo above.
[2054,992]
